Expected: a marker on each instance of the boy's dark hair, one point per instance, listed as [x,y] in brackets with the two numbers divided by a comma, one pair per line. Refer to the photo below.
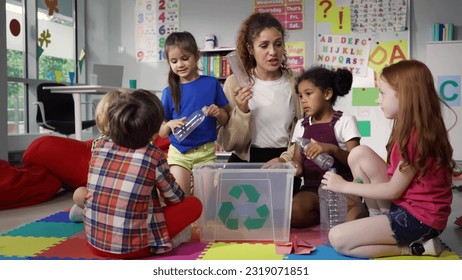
[339,80]
[134,118]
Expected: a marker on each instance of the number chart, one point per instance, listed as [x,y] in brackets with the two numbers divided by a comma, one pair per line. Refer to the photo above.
[154,21]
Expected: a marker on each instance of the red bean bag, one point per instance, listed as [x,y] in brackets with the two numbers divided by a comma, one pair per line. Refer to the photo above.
[21,186]
[65,158]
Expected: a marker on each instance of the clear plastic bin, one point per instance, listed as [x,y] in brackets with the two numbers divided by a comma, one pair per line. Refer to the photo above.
[244,201]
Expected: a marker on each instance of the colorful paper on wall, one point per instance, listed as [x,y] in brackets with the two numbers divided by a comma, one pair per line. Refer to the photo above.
[324,11]
[364,128]
[337,16]
[154,21]
[378,16]
[449,88]
[341,23]
[386,53]
[365,96]
[289,14]
[343,51]
[296,56]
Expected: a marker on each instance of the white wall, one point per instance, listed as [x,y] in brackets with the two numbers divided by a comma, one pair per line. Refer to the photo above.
[111,24]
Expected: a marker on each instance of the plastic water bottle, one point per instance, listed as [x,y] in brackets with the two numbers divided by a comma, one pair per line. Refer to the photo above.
[191,122]
[238,69]
[324,160]
[332,210]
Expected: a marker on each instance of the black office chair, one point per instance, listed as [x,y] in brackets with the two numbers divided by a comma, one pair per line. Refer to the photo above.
[55,111]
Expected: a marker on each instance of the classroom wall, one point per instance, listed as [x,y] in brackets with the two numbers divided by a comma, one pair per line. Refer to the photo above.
[111,24]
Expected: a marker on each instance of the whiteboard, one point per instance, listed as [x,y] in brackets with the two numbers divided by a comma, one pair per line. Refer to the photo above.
[445,61]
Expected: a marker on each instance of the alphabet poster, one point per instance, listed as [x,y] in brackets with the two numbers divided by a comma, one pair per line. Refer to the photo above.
[363,36]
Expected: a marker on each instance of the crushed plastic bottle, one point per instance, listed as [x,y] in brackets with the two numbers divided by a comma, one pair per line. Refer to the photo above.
[324,160]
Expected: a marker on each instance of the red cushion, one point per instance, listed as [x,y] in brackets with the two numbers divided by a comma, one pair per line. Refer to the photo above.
[65,158]
[20,186]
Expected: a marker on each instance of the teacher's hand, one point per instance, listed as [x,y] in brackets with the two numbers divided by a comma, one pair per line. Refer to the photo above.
[242,97]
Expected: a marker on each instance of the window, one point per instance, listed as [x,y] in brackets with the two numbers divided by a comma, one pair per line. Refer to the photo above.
[47,55]
[56,41]
[15,41]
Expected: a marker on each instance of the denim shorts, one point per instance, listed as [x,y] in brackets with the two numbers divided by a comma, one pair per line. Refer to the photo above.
[407,229]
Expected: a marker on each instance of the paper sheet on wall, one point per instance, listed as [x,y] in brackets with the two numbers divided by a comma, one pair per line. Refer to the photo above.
[154,21]
[343,51]
[289,13]
[378,16]
[295,56]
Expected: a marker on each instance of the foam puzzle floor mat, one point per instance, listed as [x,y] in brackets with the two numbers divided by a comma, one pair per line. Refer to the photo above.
[57,238]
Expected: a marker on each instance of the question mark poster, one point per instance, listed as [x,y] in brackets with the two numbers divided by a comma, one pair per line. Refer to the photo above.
[337,13]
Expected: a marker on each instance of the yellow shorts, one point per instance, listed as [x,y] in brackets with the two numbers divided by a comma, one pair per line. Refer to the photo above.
[201,154]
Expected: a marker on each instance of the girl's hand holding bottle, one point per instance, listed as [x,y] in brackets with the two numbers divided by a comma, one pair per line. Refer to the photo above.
[333,182]
[172,124]
[314,149]
[212,111]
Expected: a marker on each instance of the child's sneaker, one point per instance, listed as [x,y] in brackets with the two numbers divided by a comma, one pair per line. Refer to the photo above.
[431,247]
[76,214]
[182,237]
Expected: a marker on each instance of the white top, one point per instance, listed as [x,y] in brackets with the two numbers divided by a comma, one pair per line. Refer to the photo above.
[345,129]
[272,113]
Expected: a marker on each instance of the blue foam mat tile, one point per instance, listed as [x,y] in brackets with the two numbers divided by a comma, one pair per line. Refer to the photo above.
[13,258]
[321,253]
[41,229]
[60,217]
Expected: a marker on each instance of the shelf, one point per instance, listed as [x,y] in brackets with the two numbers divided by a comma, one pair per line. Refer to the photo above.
[220,49]
[213,63]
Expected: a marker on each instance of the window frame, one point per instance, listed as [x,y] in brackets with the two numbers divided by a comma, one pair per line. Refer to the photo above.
[19,142]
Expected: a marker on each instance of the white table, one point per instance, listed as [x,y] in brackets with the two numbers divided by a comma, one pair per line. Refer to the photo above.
[77,91]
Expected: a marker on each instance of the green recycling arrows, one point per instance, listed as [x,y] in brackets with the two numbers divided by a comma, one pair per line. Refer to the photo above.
[250,223]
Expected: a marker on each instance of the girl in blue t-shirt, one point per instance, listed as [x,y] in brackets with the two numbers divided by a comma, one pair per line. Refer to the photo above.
[186,93]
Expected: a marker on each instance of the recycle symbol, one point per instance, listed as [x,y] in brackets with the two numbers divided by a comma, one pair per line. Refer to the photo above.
[227,208]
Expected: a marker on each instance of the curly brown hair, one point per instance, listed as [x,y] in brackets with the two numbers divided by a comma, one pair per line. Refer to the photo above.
[249,31]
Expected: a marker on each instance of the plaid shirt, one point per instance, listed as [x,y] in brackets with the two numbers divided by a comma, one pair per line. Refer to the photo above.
[122,209]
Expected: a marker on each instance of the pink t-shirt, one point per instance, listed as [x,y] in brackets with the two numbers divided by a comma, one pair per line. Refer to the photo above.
[429,198]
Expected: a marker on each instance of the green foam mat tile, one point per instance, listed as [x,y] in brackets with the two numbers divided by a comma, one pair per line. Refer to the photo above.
[20,246]
[240,251]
